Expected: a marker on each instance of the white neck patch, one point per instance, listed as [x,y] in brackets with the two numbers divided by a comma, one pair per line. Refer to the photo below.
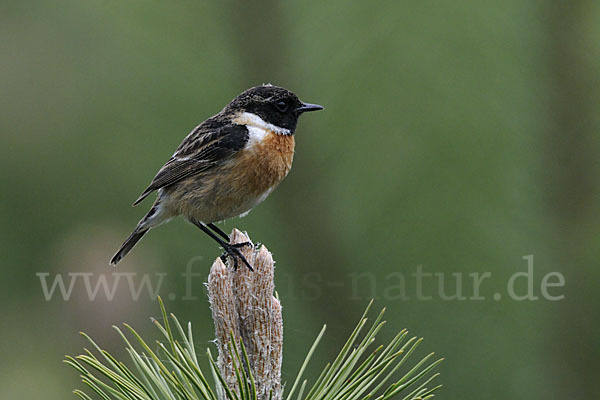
[253,120]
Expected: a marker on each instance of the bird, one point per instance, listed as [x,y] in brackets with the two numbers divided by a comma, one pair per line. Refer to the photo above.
[225,166]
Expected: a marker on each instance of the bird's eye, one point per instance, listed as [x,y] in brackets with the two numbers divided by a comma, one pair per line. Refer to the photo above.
[281,106]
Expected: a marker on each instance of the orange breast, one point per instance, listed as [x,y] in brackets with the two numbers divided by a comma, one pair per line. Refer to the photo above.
[264,164]
[237,186]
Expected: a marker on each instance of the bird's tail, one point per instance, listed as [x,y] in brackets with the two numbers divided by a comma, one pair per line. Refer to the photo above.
[155,217]
[126,247]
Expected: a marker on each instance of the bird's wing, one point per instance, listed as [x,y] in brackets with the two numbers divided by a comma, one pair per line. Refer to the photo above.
[205,147]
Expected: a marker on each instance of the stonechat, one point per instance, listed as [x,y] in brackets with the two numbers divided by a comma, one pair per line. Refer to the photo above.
[226,166]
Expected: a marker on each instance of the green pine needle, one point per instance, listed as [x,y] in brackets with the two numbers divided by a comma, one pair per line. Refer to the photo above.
[361,371]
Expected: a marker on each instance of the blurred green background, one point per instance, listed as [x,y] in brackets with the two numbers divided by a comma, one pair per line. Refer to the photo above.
[460,136]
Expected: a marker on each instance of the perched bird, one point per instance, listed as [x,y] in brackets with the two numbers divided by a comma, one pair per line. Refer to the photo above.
[226,166]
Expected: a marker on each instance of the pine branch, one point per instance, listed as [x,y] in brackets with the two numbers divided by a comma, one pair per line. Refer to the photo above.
[249,331]
[243,306]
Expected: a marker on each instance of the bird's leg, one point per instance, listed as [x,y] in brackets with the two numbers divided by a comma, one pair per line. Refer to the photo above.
[225,236]
[230,249]
[218,231]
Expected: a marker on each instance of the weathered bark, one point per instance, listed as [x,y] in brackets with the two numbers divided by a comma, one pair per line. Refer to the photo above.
[243,304]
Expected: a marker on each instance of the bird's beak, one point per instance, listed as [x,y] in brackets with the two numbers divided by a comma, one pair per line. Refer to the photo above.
[308,107]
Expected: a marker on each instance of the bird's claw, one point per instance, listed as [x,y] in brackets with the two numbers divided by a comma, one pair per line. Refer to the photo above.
[240,245]
[233,251]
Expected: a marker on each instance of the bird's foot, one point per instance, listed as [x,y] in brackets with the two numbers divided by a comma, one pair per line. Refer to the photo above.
[240,245]
[233,251]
